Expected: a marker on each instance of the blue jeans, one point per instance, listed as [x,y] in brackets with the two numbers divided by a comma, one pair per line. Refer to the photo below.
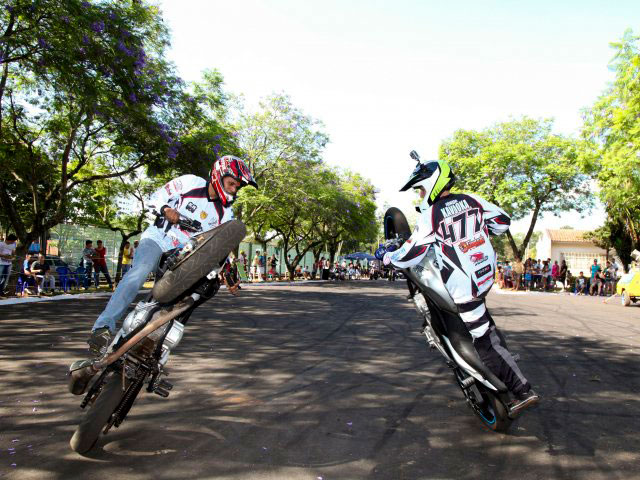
[4,276]
[147,257]
[125,268]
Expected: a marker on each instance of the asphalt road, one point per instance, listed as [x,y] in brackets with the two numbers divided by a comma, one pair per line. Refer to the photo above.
[327,381]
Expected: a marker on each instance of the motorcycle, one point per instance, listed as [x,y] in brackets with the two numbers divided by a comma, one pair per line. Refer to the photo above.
[139,352]
[445,331]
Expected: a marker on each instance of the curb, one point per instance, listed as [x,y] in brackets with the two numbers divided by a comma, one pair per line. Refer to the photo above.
[35,299]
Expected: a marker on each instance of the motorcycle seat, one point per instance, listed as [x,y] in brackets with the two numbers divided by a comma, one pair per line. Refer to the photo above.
[462,342]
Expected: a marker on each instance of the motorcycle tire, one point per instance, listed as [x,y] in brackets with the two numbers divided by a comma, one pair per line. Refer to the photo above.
[215,248]
[395,224]
[492,413]
[97,415]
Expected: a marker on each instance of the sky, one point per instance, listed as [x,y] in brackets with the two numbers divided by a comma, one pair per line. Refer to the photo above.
[387,77]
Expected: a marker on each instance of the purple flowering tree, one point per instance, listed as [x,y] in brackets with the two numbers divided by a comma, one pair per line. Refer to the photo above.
[86,95]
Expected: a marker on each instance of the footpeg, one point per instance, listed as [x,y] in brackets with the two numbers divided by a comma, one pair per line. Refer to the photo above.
[467,382]
[162,392]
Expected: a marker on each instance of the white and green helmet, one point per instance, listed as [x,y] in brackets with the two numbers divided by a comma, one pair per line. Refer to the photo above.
[435,176]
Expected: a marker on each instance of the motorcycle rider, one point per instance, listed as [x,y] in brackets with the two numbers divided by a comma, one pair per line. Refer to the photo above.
[207,201]
[458,226]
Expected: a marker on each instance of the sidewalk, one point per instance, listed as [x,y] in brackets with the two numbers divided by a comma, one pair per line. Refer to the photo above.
[69,296]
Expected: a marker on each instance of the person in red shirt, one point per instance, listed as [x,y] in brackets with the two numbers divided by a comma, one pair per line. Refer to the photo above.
[100,265]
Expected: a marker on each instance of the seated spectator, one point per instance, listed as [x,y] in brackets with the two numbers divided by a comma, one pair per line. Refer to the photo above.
[597,283]
[581,285]
[40,271]
[305,273]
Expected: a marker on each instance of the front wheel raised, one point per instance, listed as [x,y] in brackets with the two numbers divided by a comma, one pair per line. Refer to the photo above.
[214,247]
[97,415]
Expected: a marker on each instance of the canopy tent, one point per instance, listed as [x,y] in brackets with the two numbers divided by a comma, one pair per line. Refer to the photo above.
[360,256]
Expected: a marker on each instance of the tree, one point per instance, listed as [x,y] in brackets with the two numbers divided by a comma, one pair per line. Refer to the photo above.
[347,214]
[278,134]
[288,206]
[85,95]
[612,127]
[522,167]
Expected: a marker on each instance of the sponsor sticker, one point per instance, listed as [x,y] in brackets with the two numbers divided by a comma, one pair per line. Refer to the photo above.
[177,184]
[203,215]
[483,271]
[191,207]
[167,187]
[477,258]
[471,244]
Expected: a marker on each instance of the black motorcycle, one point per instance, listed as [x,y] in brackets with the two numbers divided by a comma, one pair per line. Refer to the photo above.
[445,331]
[136,357]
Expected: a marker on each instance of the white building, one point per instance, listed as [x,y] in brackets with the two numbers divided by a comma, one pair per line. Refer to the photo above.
[570,245]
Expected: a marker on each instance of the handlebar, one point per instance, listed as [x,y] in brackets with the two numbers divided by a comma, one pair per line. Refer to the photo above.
[185,223]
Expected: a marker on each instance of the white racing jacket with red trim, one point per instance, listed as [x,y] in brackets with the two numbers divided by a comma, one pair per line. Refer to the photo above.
[189,195]
[458,226]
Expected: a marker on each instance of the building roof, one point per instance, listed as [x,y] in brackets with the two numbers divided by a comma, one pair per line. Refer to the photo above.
[566,235]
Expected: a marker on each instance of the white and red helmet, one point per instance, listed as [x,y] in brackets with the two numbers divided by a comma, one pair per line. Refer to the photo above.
[230,166]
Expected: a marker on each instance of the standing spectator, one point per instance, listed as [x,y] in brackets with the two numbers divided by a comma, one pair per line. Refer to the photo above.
[256,266]
[100,265]
[581,285]
[126,258]
[88,255]
[545,275]
[562,274]
[314,269]
[40,271]
[612,277]
[528,274]
[595,269]
[518,270]
[273,263]
[537,274]
[555,272]
[508,275]
[133,251]
[500,277]
[7,254]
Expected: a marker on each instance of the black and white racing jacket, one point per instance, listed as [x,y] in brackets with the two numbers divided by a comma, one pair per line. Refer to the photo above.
[458,226]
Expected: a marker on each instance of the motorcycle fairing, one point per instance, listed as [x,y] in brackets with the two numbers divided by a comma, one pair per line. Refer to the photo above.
[446,320]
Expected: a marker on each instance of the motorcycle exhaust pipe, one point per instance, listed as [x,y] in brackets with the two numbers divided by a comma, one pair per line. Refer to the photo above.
[80,377]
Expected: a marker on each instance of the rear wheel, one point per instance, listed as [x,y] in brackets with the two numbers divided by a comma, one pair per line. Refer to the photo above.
[214,249]
[97,415]
[486,405]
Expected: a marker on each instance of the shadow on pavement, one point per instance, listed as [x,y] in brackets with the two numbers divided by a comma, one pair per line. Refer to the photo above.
[329,381]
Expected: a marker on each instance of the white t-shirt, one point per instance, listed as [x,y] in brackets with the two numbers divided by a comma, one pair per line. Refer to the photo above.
[6,249]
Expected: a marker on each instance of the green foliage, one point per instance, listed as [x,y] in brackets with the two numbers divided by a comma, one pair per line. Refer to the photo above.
[86,95]
[612,127]
[522,167]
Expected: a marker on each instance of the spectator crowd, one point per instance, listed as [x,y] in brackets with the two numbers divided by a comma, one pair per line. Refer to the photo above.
[541,275]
